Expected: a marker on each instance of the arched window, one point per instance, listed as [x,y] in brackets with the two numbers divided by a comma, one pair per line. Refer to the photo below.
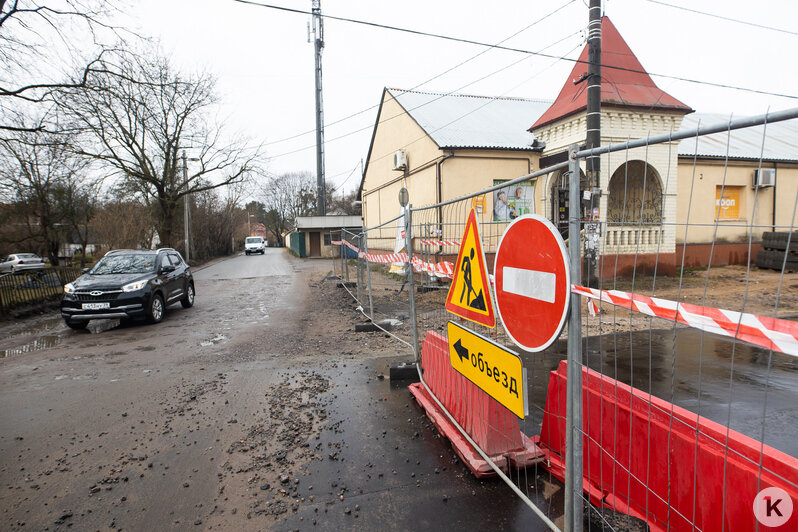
[635,194]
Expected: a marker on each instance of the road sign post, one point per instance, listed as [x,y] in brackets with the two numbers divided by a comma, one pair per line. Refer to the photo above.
[573,416]
[497,371]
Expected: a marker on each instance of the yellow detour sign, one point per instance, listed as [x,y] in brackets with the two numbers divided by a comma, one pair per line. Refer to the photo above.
[469,295]
[494,369]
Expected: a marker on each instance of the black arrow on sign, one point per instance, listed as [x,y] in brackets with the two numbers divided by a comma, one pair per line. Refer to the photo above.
[461,351]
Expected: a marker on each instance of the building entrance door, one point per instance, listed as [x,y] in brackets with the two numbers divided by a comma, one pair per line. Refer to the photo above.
[315,244]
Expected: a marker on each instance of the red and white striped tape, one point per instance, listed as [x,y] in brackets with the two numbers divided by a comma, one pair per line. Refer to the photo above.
[770,333]
[455,243]
[440,269]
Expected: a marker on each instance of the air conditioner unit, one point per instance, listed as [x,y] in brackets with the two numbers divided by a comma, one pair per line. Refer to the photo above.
[764,178]
[400,160]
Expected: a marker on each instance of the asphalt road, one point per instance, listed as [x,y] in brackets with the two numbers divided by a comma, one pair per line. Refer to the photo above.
[260,409]
[256,409]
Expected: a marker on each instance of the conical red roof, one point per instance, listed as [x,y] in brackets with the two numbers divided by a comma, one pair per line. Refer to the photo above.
[624,81]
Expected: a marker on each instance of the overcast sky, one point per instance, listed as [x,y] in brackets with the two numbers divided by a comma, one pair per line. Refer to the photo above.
[264,63]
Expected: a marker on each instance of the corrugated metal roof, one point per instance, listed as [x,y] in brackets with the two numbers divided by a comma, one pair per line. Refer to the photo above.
[460,121]
[781,141]
[331,221]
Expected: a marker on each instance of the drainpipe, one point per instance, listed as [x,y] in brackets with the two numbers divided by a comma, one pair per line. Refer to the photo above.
[440,196]
[775,182]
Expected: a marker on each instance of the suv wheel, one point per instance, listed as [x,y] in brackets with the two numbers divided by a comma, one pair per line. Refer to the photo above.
[188,300]
[77,325]
[155,309]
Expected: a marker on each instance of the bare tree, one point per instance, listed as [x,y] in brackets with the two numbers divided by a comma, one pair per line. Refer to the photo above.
[41,44]
[139,114]
[123,224]
[286,197]
[34,169]
[77,201]
[342,203]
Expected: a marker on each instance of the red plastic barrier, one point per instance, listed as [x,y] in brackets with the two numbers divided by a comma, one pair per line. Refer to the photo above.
[494,428]
[641,457]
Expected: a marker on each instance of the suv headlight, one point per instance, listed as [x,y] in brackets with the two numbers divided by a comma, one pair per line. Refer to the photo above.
[69,288]
[132,287]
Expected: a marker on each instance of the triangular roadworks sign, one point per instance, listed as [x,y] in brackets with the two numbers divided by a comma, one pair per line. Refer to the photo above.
[469,295]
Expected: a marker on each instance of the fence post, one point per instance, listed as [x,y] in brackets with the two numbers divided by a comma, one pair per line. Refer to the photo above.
[410,275]
[573,417]
[358,272]
[368,276]
[346,260]
[343,254]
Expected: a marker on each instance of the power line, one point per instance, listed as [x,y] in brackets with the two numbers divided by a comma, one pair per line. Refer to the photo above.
[433,78]
[519,50]
[347,178]
[490,100]
[721,17]
[455,90]
[443,95]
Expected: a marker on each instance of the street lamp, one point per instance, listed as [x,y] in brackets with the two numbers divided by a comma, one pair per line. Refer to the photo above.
[185,199]
[249,225]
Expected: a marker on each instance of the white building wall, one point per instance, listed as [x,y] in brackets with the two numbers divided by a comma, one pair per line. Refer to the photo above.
[620,125]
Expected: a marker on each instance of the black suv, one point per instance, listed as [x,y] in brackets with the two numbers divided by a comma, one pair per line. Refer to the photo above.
[127,284]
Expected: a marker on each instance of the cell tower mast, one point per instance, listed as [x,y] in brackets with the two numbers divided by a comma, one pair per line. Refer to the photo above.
[318,39]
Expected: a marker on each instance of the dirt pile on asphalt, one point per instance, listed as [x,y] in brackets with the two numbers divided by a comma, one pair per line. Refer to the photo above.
[274,452]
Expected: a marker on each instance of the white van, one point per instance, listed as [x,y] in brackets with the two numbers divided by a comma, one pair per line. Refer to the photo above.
[254,244]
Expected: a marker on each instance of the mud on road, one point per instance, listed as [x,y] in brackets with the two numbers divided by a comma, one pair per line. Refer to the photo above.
[259,409]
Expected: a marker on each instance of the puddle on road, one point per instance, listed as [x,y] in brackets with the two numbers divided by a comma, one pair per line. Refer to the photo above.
[42,342]
[50,333]
[215,340]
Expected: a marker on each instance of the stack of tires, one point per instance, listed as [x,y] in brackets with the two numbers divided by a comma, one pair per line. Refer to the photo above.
[776,245]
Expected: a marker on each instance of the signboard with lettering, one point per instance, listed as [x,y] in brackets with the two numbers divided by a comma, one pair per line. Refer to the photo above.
[727,206]
[497,371]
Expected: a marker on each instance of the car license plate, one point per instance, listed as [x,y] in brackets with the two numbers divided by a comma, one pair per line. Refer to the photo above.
[95,306]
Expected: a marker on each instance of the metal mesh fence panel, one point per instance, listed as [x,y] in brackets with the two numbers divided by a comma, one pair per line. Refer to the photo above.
[372,268]
[679,366]
[668,402]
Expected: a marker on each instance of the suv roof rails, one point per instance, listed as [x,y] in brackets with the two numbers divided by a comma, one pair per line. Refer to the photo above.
[111,252]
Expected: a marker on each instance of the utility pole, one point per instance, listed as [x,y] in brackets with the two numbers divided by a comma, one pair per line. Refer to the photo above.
[185,202]
[318,39]
[593,138]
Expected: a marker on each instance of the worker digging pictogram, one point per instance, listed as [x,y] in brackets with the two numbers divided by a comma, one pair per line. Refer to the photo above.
[469,294]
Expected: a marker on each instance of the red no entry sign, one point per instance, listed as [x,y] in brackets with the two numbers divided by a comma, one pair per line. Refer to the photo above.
[533,283]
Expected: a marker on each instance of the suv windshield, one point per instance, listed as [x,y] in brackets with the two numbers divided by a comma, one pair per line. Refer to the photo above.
[132,263]
[254,240]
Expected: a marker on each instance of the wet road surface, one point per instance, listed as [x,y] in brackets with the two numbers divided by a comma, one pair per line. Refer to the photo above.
[256,409]
[722,380]
[252,410]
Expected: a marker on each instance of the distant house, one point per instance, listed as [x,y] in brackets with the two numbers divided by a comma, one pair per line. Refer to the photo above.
[258,229]
[314,234]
